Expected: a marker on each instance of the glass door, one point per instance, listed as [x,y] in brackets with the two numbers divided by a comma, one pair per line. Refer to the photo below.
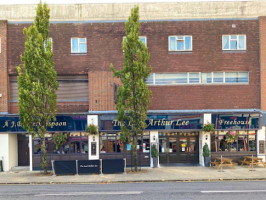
[183,149]
[172,149]
[188,149]
[193,150]
[178,148]
[163,150]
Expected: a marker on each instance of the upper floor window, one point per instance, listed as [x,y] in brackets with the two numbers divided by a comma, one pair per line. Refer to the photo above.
[198,78]
[46,43]
[143,39]
[78,45]
[180,43]
[234,42]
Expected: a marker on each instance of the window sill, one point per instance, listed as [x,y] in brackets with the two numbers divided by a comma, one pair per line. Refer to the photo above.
[202,84]
[79,54]
[234,51]
[179,52]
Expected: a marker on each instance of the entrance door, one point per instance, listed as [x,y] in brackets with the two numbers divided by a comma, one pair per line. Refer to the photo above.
[179,148]
[23,150]
[188,152]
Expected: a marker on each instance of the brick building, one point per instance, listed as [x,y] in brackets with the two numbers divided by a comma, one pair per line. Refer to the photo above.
[204,70]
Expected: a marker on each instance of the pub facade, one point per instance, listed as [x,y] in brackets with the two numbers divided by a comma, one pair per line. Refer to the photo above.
[179,138]
[207,68]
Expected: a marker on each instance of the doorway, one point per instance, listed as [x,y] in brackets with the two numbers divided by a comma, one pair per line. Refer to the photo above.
[23,150]
[179,147]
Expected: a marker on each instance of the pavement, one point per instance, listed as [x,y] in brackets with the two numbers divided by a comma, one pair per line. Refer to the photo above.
[161,174]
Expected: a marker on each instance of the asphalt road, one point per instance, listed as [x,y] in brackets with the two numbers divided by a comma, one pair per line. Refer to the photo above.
[150,191]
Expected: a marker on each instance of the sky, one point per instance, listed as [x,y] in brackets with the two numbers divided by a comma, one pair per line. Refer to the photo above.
[8,2]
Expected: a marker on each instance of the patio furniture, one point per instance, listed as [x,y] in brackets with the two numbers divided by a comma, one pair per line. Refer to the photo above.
[223,162]
[252,161]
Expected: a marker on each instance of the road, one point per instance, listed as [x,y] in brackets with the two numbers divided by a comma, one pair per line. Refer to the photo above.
[167,190]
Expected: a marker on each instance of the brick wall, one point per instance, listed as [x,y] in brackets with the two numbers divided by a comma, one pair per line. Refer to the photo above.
[62,107]
[104,47]
[263,62]
[3,68]
[101,90]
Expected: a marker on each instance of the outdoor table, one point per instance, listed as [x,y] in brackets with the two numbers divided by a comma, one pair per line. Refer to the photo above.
[223,162]
[252,160]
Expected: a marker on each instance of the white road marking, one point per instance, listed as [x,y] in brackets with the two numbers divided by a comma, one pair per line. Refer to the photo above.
[233,191]
[89,193]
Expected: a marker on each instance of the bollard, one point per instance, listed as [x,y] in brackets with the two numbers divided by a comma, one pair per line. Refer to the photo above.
[53,167]
[221,168]
[77,168]
[252,169]
[125,166]
[101,166]
[1,166]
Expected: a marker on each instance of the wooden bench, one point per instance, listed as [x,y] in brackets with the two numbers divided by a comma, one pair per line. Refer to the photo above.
[257,164]
[214,163]
[224,162]
[248,160]
[227,165]
[243,162]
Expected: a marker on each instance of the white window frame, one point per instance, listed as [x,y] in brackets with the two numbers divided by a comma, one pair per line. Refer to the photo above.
[145,40]
[188,81]
[200,79]
[139,38]
[154,74]
[237,39]
[78,52]
[217,83]
[201,73]
[176,38]
[51,40]
[248,76]
[153,79]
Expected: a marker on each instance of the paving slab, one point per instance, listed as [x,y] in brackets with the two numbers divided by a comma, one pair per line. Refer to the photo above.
[187,173]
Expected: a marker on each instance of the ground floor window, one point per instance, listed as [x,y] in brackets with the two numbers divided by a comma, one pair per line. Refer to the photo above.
[77,142]
[233,141]
[178,142]
[110,143]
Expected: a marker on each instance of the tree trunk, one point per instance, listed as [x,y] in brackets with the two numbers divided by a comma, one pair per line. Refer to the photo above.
[44,157]
[135,155]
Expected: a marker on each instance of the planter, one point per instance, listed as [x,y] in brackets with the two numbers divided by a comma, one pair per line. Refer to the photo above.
[155,162]
[207,161]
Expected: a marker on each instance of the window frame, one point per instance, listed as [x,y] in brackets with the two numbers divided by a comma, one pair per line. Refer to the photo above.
[189,76]
[123,148]
[145,40]
[188,82]
[183,83]
[139,40]
[237,49]
[217,141]
[78,52]
[176,38]
[50,141]
[51,40]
